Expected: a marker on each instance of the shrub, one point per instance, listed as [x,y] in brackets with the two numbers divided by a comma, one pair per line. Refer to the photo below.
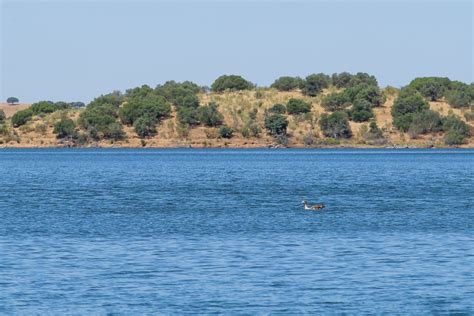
[41,128]
[408,101]
[253,114]
[374,132]
[144,126]
[62,105]
[179,94]
[187,101]
[251,130]
[4,130]
[403,122]
[115,99]
[187,116]
[99,120]
[230,82]
[341,80]
[114,131]
[361,111]
[335,101]
[139,92]
[209,115]
[22,117]
[43,107]
[335,125]
[3,117]
[297,106]
[287,83]
[309,139]
[455,124]
[453,138]
[469,116]
[460,98]
[226,131]
[315,83]
[432,88]
[427,121]
[371,133]
[12,100]
[369,93]
[282,139]
[362,78]
[276,124]
[65,127]
[154,106]
[278,109]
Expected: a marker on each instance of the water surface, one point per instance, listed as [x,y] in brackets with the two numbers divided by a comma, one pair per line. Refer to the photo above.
[127,231]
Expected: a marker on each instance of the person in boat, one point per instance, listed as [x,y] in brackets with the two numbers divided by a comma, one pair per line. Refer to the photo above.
[312,207]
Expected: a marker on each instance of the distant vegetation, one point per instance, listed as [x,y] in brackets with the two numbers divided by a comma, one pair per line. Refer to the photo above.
[231,83]
[3,117]
[345,99]
[12,100]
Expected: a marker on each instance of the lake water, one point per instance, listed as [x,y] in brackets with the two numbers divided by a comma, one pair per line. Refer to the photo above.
[90,231]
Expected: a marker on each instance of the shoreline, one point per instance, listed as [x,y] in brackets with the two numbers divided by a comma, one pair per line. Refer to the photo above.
[231,147]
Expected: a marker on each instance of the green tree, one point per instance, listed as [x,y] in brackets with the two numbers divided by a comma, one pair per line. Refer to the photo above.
[114,131]
[315,83]
[408,102]
[43,107]
[276,124]
[154,106]
[145,126]
[361,111]
[21,117]
[297,106]
[335,125]
[362,78]
[12,100]
[139,92]
[403,122]
[432,88]
[65,127]
[335,101]
[370,93]
[287,83]
[3,117]
[187,116]
[100,121]
[209,115]
[226,131]
[115,98]
[341,80]
[61,105]
[176,93]
[230,82]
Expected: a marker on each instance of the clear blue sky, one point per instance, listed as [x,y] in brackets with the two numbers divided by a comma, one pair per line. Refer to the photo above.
[58,50]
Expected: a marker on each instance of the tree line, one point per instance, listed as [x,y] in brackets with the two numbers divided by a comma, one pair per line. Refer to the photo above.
[352,97]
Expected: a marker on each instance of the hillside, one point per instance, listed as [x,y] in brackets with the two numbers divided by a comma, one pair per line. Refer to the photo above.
[303,131]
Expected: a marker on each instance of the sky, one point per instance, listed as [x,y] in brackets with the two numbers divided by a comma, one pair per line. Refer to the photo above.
[77,50]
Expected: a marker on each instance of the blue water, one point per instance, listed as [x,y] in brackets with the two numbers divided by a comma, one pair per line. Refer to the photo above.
[89,231]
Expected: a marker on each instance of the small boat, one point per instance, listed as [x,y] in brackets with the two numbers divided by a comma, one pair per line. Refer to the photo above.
[312,207]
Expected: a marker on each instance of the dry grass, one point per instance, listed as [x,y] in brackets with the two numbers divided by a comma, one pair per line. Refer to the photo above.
[12,109]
